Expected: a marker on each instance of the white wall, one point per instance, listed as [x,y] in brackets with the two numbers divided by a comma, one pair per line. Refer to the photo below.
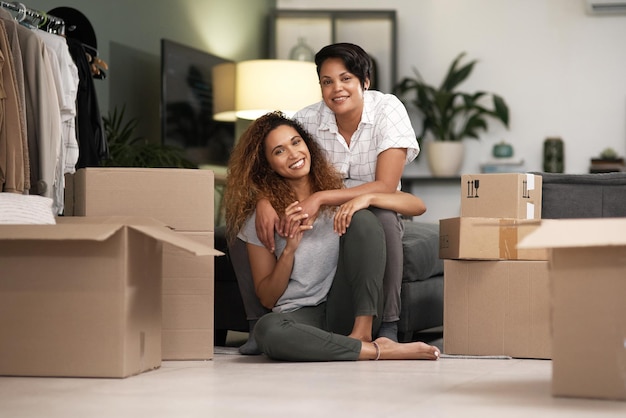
[562,72]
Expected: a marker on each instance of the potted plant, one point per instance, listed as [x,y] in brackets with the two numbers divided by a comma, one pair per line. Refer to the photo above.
[449,115]
[128,150]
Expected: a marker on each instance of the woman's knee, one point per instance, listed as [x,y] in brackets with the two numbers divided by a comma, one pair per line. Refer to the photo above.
[390,221]
[364,224]
[269,327]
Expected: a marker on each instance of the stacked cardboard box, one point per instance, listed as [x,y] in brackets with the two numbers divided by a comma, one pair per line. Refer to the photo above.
[496,296]
[182,199]
[82,298]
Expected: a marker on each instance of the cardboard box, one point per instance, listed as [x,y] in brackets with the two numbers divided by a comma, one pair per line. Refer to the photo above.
[588,282]
[184,200]
[511,195]
[497,308]
[181,198]
[188,301]
[83,297]
[487,239]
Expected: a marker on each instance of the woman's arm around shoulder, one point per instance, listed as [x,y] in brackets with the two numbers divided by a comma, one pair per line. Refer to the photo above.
[401,202]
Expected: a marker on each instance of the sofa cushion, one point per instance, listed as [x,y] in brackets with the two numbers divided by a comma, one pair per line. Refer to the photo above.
[421,251]
[583,195]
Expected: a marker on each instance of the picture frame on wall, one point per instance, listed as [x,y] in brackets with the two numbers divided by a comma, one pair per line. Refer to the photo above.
[373,30]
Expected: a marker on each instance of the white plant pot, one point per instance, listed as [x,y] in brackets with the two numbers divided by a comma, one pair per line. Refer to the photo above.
[445,158]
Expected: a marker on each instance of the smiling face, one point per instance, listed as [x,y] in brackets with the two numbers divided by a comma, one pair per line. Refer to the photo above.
[341,90]
[287,153]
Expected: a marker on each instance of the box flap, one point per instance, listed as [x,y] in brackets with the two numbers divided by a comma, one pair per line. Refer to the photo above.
[101,228]
[177,239]
[566,233]
[58,232]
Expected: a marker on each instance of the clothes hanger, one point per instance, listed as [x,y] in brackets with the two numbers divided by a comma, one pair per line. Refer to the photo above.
[43,22]
[97,65]
[21,12]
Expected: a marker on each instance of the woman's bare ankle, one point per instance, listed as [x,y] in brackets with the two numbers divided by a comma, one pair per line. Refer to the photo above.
[366,338]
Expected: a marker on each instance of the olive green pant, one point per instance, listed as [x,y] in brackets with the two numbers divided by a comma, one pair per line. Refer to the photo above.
[318,333]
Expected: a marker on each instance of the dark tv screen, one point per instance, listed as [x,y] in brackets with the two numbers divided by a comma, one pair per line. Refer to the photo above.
[187,105]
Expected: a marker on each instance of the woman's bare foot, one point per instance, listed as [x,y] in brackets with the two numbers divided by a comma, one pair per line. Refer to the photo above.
[391,350]
[362,329]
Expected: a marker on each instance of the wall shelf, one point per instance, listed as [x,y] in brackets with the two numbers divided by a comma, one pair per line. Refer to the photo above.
[409,181]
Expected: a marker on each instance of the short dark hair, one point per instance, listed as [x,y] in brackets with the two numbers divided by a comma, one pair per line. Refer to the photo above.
[356,60]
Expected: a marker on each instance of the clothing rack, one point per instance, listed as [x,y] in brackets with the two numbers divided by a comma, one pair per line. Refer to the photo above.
[53,24]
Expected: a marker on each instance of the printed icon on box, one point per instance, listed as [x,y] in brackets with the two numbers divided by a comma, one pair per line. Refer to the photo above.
[525,191]
[472,188]
[444,241]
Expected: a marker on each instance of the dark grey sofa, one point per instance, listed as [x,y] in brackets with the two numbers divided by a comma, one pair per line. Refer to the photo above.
[421,296]
[601,195]
[422,280]
[229,312]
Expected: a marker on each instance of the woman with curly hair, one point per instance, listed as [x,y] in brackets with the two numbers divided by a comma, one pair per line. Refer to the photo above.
[323,282]
[367,135]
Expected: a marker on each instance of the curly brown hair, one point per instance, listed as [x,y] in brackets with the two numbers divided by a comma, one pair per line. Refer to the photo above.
[251,178]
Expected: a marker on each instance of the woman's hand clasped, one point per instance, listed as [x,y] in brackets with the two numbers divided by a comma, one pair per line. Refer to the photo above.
[344,213]
[297,224]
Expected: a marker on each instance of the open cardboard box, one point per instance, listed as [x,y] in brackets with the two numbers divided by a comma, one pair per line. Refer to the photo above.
[83,297]
[587,270]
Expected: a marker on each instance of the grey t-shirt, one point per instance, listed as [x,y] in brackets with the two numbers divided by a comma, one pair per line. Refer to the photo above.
[314,267]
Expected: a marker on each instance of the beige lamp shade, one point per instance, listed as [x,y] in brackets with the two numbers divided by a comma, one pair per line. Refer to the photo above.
[267,85]
[223,80]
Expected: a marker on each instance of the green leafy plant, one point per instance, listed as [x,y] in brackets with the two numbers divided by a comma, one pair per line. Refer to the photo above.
[608,154]
[128,150]
[448,114]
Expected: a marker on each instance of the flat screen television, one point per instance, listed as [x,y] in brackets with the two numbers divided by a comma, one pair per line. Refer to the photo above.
[187,105]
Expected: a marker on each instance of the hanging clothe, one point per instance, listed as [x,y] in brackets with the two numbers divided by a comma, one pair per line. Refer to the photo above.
[50,122]
[92,144]
[11,30]
[13,151]
[65,74]
[43,112]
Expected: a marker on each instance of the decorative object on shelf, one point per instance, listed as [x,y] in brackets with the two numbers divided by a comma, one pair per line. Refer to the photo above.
[502,150]
[608,162]
[553,155]
[502,160]
[450,115]
[503,165]
[302,51]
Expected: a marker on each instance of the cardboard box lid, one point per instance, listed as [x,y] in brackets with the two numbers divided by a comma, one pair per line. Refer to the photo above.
[101,229]
[571,233]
